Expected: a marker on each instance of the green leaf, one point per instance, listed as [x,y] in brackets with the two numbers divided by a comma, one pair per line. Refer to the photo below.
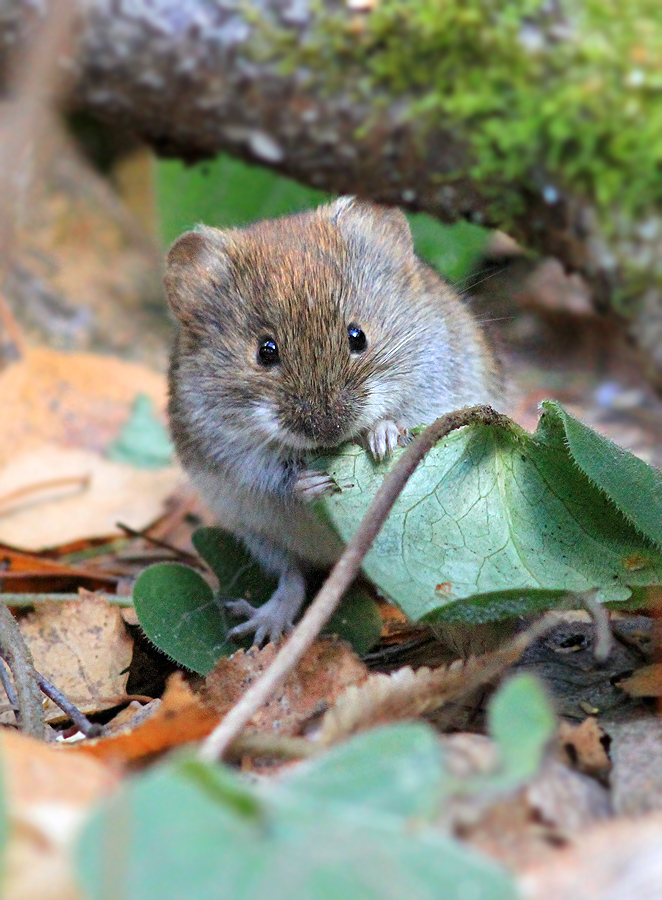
[494,606]
[454,250]
[220,784]
[395,770]
[228,193]
[144,441]
[178,613]
[357,619]
[225,193]
[634,486]
[522,723]
[493,510]
[164,835]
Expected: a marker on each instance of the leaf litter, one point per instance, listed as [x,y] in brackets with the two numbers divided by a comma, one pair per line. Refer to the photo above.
[189,720]
[297,710]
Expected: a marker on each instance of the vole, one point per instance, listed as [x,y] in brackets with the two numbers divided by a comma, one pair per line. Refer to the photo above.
[297,334]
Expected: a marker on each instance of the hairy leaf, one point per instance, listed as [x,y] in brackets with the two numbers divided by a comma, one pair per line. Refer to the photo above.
[504,520]
[179,614]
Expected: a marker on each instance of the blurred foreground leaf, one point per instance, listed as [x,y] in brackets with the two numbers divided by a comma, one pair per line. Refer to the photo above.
[521,722]
[188,830]
[144,441]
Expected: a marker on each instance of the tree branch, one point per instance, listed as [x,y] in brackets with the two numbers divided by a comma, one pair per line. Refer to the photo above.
[199,77]
[16,654]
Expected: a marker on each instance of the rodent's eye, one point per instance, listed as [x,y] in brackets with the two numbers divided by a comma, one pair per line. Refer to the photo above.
[357,339]
[267,352]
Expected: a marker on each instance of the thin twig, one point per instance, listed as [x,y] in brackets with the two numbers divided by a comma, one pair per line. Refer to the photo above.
[341,576]
[18,498]
[21,601]
[16,654]
[80,720]
[8,685]
[190,558]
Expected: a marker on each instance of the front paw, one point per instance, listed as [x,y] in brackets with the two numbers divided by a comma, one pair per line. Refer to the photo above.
[269,622]
[385,436]
[311,485]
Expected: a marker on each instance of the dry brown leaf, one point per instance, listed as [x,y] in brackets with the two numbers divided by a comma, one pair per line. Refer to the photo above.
[618,860]
[181,716]
[567,801]
[131,715]
[108,493]
[48,796]
[645,682]
[529,824]
[83,648]
[522,824]
[583,747]
[405,694]
[326,670]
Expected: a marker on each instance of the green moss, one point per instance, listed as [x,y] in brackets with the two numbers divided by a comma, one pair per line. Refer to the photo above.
[543,108]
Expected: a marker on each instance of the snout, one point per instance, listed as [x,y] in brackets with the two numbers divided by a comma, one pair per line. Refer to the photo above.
[325,423]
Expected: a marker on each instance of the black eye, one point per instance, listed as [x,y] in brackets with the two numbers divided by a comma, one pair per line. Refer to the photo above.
[267,352]
[357,339]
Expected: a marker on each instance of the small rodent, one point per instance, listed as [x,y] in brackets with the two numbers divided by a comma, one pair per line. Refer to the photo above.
[301,333]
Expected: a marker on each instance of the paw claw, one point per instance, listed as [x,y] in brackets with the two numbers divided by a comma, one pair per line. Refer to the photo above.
[311,485]
[385,436]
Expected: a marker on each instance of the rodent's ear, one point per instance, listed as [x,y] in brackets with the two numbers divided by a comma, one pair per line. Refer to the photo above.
[359,219]
[196,264]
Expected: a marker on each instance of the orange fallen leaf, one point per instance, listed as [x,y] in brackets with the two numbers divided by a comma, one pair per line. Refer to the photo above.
[71,399]
[48,796]
[108,492]
[326,670]
[644,682]
[183,716]
[23,572]
[60,412]
[179,718]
